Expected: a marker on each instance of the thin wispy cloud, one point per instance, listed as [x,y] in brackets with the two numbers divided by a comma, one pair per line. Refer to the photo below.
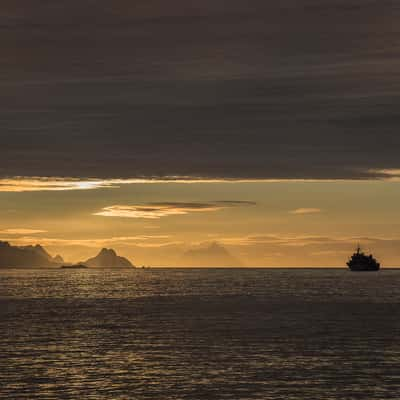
[305,210]
[165,209]
[49,184]
[284,240]
[139,240]
[388,174]
[21,231]
[57,184]
[38,184]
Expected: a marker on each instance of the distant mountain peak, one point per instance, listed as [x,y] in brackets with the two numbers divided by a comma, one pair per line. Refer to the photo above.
[108,252]
[210,254]
[108,258]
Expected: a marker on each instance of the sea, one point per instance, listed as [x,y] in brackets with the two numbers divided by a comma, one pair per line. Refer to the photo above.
[199,334]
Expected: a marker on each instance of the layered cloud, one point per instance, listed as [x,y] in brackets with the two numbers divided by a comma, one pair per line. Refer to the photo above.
[165,209]
[209,90]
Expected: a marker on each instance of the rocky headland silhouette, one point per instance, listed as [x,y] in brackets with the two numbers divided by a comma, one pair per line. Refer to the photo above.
[26,256]
[37,256]
[108,258]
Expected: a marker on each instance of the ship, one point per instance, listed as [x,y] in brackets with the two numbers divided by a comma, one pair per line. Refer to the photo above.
[360,261]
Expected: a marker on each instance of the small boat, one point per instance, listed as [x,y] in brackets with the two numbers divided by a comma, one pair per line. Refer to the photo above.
[74,266]
[359,261]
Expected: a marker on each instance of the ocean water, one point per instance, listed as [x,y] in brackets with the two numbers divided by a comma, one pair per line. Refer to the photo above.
[199,334]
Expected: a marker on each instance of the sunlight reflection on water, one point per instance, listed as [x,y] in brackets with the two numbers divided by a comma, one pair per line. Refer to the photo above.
[194,334]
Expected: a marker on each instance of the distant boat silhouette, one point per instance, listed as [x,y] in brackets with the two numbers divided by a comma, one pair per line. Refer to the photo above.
[359,261]
[74,266]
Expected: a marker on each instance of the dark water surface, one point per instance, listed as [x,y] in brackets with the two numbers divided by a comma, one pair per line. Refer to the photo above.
[199,334]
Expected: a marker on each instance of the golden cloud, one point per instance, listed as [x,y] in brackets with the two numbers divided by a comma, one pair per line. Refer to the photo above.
[159,210]
[390,174]
[50,184]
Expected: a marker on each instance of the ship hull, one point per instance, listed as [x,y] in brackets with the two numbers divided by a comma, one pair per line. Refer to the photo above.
[363,269]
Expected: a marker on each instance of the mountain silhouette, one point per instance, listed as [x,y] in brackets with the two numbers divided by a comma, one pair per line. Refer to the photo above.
[211,255]
[25,256]
[108,258]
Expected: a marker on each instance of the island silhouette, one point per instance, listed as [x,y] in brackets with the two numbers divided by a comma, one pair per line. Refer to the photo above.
[37,256]
[108,258]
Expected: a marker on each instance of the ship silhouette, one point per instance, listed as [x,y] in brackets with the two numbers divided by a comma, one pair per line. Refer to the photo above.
[359,261]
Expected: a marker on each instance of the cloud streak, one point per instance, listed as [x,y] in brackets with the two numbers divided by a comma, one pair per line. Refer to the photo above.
[39,184]
[21,231]
[302,211]
[139,240]
[165,209]
[57,184]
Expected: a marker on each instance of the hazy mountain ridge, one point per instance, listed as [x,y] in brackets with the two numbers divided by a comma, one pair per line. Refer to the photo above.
[213,255]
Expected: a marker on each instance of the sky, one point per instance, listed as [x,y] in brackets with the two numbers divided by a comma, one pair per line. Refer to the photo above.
[214,132]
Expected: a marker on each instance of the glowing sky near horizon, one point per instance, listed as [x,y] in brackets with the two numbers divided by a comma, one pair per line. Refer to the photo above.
[259,223]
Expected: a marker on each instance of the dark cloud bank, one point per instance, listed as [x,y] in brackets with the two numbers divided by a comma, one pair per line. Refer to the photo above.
[260,89]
